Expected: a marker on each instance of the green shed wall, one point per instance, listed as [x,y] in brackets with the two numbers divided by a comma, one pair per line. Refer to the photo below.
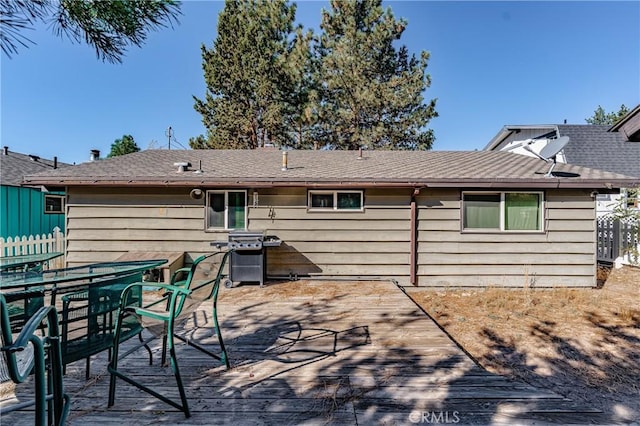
[22,212]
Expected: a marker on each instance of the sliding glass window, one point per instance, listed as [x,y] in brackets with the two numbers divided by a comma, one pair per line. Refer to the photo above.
[226,210]
[502,211]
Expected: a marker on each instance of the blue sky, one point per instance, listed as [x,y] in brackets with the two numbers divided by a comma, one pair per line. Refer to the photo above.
[492,63]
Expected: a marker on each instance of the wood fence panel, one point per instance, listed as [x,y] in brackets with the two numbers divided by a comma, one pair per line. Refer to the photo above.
[35,244]
[617,237]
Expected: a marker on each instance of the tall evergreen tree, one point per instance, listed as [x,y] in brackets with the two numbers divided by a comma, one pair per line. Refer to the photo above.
[301,114]
[253,76]
[122,146]
[371,93]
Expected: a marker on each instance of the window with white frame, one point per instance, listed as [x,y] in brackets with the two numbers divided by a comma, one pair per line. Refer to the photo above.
[503,211]
[54,204]
[226,209]
[335,200]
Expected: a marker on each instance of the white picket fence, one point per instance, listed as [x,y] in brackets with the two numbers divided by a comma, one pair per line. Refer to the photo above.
[35,244]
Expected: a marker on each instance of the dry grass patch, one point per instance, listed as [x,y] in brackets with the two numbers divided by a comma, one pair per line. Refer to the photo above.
[581,343]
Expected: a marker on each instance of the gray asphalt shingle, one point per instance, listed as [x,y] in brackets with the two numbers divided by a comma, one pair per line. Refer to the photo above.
[308,168]
[13,166]
[595,147]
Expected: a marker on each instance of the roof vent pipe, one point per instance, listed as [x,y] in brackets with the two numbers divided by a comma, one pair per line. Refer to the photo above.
[285,161]
[94,155]
[199,167]
[182,166]
[55,162]
[359,153]
[6,150]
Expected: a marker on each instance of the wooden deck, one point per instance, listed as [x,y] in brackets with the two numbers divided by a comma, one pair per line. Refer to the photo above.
[320,352]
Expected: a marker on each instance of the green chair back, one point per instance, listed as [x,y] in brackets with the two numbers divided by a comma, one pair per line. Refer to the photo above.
[189,288]
[36,350]
[88,318]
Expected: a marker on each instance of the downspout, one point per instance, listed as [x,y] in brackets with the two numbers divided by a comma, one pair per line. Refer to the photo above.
[413,253]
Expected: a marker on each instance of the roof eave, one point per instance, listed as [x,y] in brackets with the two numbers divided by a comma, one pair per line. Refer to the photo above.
[542,183]
[624,119]
[497,139]
[507,130]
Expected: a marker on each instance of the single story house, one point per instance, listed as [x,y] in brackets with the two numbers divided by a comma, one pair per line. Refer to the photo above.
[27,210]
[434,218]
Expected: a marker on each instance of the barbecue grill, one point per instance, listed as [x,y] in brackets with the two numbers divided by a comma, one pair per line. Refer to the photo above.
[248,262]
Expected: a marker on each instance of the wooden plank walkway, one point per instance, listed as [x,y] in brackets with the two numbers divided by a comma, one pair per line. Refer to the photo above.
[319,352]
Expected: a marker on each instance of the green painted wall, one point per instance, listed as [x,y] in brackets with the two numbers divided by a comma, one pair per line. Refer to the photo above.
[22,212]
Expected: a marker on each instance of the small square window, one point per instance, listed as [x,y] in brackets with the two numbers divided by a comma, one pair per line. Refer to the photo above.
[481,211]
[53,204]
[322,201]
[522,211]
[349,200]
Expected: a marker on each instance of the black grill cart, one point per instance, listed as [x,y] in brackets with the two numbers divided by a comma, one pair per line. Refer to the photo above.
[248,262]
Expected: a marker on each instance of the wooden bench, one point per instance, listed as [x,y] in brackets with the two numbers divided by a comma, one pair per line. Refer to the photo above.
[175,261]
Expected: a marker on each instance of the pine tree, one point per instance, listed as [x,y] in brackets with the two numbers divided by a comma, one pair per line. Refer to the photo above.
[110,27]
[122,146]
[253,76]
[371,92]
[600,116]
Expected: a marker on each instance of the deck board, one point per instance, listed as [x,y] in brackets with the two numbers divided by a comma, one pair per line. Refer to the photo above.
[313,352]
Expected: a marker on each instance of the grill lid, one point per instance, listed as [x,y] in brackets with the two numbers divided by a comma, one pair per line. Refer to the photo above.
[248,240]
[246,235]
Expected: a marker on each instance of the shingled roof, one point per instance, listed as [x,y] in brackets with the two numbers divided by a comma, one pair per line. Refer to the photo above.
[14,166]
[592,146]
[596,147]
[263,168]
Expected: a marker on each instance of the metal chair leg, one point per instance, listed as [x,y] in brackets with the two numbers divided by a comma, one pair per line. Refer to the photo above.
[113,363]
[216,327]
[176,372]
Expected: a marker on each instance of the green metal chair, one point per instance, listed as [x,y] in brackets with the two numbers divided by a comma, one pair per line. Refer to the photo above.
[179,300]
[36,350]
[22,305]
[88,318]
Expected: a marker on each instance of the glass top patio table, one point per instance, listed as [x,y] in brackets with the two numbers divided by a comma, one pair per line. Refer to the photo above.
[13,262]
[71,279]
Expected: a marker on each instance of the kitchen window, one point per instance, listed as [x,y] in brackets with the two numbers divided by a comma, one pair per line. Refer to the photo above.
[503,211]
[335,200]
[226,209]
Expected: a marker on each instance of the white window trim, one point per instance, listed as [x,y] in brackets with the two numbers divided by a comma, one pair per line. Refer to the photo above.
[502,194]
[335,200]
[62,204]
[226,208]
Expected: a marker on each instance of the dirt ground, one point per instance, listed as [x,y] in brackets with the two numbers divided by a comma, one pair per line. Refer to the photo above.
[581,343]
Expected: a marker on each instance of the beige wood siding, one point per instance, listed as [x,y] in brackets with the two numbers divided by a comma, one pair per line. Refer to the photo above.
[374,242]
[103,224]
[563,255]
